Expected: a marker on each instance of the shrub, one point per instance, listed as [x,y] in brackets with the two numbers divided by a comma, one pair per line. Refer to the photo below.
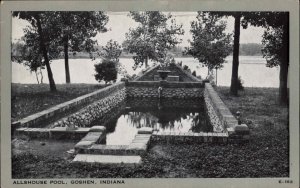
[205,80]
[185,67]
[173,61]
[194,73]
[240,84]
[180,63]
[106,71]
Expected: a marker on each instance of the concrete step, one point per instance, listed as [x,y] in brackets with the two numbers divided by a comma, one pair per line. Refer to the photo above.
[55,133]
[90,139]
[126,150]
[107,159]
[99,149]
[90,145]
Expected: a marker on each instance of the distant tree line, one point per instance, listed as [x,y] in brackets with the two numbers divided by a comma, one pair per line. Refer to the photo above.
[251,49]
[246,49]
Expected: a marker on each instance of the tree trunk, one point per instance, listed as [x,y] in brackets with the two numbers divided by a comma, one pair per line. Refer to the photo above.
[283,91]
[146,62]
[283,74]
[42,76]
[36,76]
[66,51]
[45,55]
[235,62]
[216,76]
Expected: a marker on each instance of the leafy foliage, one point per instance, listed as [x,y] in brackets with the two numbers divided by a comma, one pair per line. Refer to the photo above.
[109,67]
[240,84]
[265,19]
[62,30]
[78,28]
[29,51]
[111,51]
[106,71]
[37,20]
[210,45]
[272,46]
[75,30]
[238,21]
[276,45]
[275,20]
[152,38]
[29,55]
[185,67]
[194,73]
[275,38]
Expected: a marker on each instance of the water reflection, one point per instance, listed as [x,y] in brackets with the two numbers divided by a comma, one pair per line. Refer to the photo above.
[169,120]
[167,115]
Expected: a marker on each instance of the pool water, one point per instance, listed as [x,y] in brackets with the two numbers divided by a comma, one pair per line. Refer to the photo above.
[166,115]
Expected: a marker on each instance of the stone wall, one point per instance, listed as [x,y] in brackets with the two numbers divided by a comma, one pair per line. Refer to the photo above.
[219,114]
[145,72]
[36,119]
[137,103]
[112,97]
[169,90]
[189,137]
[176,70]
[84,117]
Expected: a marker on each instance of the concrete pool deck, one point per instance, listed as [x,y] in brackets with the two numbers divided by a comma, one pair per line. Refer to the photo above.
[107,159]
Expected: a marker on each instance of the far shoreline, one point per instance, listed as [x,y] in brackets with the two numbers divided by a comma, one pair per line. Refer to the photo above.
[129,57]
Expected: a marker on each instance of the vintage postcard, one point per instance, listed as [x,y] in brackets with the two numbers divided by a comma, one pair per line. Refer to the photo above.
[150,93]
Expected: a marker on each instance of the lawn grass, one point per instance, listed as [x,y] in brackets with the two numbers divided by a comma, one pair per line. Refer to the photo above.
[266,155]
[27,99]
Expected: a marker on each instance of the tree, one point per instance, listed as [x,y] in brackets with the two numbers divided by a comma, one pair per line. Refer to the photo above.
[194,73]
[273,51]
[210,44]
[30,56]
[36,19]
[108,68]
[238,20]
[152,38]
[111,51]
[267,20]
[272,46]
[28,51]
[236,41]
[276,44]
[75,30]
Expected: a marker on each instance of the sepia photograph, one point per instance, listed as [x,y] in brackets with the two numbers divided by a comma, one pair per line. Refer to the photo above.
[97,97]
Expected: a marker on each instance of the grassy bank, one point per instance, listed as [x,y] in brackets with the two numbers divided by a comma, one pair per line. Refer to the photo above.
[28,99]
[266,155]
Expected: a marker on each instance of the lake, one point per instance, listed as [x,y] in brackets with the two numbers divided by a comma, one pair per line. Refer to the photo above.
[252,70]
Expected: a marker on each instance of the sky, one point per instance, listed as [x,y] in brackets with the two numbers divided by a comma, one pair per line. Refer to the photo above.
[119,24]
